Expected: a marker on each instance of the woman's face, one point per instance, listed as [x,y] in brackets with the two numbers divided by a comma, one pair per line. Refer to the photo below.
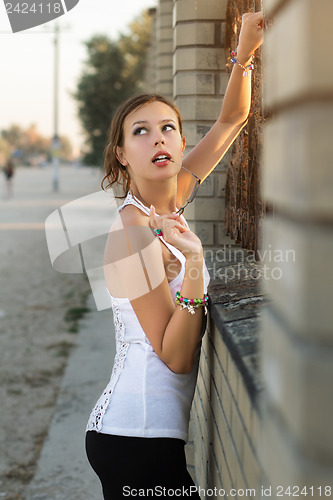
[151,139]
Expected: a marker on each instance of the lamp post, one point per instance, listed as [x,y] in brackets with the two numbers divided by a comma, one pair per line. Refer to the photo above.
[55,139]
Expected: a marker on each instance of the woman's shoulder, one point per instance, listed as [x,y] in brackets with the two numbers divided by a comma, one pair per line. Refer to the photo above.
[129,236]
[131,215]
[130,231]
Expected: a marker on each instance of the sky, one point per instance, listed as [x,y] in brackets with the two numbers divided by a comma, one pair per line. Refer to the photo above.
[27,60]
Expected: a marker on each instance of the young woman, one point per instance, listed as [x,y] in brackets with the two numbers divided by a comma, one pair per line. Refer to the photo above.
[157,279]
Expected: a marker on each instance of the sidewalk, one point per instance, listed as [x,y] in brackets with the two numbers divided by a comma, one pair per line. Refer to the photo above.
[63,472]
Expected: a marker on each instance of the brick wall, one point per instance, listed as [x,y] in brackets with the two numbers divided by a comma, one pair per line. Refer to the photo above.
[296,330]
[164,43]
[150,75]
[226,421]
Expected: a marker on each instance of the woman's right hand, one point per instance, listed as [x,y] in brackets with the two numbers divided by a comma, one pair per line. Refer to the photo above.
[176,233]
[251,35]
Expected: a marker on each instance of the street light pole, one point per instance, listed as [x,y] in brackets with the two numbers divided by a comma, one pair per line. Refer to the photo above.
[55,139]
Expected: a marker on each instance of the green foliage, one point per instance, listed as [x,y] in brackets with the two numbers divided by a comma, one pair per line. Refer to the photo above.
[75,313]
[134,49]
[113,71]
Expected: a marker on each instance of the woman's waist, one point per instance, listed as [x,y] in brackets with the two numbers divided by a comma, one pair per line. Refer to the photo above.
[163,409]
[145,373]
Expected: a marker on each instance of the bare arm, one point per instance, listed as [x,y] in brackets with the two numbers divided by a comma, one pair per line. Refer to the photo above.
[134,268]
[235,107]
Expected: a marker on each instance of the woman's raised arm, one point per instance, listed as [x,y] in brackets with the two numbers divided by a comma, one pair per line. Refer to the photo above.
[235,107]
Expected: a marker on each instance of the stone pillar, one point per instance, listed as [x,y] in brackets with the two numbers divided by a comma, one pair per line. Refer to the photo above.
[151,58]
[297,327]
[164,39]
[200,79]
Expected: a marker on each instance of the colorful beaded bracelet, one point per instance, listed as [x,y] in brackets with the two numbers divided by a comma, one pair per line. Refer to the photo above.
[191,304]
[245,68]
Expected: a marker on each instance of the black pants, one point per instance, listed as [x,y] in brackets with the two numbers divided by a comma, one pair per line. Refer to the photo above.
[125,465]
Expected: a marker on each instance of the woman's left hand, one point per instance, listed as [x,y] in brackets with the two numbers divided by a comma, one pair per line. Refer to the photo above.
[176,232]
[251,34]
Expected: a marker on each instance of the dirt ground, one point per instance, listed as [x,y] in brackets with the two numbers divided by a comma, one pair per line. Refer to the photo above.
[39,308]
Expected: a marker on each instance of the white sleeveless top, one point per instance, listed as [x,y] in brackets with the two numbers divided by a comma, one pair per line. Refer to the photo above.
[144,398]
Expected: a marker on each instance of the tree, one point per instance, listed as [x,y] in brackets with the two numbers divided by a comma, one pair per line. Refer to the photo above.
[134,49]
[100,89]
[113,72]
[14,136]
[29,145]
[4,151]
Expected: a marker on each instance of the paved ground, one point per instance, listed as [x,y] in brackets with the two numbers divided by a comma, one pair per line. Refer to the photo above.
[38,342]
[63,471]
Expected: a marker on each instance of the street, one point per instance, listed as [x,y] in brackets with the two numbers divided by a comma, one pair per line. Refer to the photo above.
[37,316]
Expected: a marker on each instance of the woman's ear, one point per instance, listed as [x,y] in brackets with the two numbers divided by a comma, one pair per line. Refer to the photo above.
[183,143]
[120,156]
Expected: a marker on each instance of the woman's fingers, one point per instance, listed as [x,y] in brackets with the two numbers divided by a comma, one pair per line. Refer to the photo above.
[175,231]
[169,226]
[156,221]
[258,18]
[152,217]
[251,33]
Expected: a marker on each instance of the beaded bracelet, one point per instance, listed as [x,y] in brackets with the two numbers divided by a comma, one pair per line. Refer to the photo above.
[158,232]
[191,304]
[245,68]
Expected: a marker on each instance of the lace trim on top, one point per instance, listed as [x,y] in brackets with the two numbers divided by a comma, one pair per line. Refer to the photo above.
[97,414]
[133,200]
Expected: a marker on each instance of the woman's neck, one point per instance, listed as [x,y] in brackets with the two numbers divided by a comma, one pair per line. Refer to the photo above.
[162,197]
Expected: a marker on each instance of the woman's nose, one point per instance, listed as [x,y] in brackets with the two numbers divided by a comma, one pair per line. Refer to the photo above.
[159,139]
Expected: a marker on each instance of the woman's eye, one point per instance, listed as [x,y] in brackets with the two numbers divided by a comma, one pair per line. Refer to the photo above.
[140,131]
[168,127]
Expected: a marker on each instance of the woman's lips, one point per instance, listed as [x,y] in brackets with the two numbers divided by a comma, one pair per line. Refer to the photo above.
[161,159]
[161,163]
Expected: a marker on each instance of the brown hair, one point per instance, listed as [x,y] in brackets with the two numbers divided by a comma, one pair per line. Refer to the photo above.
[115,172]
